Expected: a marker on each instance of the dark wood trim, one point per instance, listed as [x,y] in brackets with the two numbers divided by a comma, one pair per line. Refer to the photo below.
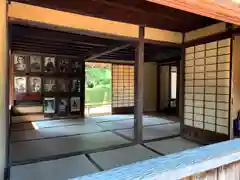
[122,110]
[82,95]
[158,87]
[178,87]
[162,43]
[181,87]
[169,85]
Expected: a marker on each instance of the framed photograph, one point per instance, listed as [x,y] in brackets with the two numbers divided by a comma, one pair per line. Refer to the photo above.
[49,85]
[20,84]
[63,106]
[49,105]
[76,66]
[35,64]
[63,85]
[49,64]
[20,63]
[75,104]
[35,84]
[76,86]
[63,65]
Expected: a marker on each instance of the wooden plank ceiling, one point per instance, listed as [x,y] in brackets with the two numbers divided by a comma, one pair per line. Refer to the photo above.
[38,40]
[138,12]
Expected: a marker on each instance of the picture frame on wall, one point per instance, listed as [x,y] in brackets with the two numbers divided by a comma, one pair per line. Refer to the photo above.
[76,66]
[49,105]
[35,64]
[63,85]
[63,106]
[49,85]
[20,84]
[76,86]
[49,64]
[63,65]
[35,84]
[20,63]
[75,104]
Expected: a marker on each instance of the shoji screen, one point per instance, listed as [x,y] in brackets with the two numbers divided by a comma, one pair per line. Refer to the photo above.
[123,87]
[207,91]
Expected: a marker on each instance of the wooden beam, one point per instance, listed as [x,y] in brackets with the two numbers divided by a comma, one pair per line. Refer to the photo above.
[224,10]
[138,88]
[112,50]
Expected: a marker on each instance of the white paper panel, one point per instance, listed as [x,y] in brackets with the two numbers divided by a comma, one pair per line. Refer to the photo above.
[188,76]
[222,114]
[224,42]
[199,97]
[199,55]
[189,63]
[189,83]
[222,106]
[223,82]
[209,112]
[199,69]
[223,58]
[188,102]
[223,74]
[189,89]
[211,75]
[222,130]
[198,110]
[212,52]
[222,121]
[223,90]
[189,56]
[198,125]
[189,69]
[188,96]
[223,98]
[209,119]
[211,45]
[188,115]
[224,50]
[199,62]
[210,127]
[200,47]
[188,122]
[211,60]
[198,117]
[189,50]
[188,109]
[224,67]
[198,89]
[199,82]
[210,97]
[212,67]
[199,76]
[198,103]
[210,82]
[210,105]
[210,90]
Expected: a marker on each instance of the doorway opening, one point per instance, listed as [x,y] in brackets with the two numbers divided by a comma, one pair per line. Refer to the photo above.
[98,88]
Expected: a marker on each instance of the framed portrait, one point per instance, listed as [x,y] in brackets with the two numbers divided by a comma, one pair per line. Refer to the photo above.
[49,105]
[20,63]
[49,64]
[63,85]
[35,64]
[75,104]
[20,84]
[76,66]
[35,84]
[76,86]
[49,85]
[63,106]
[63,65]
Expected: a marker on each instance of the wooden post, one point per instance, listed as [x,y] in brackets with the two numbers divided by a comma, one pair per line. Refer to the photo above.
[138,88]
[4,88]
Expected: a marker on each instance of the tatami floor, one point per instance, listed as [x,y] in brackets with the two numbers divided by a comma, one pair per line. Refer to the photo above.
[63,149]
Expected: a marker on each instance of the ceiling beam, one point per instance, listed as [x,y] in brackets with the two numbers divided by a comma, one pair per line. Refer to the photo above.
[95,56]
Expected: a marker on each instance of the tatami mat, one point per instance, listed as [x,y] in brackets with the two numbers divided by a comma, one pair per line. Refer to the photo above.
[54,132]
[61,169]
[154,132]
[22,151]
[123,156]
[173,145]
[110,117]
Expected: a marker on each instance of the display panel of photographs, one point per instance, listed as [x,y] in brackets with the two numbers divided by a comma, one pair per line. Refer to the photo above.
[75,105]
[76,86]
[63,65]
[49,106]
[34,87]
[20,87]
[20,63]
[35,64]
[76,66]
[49,85]
[49,64]
[63,106]
[63,85]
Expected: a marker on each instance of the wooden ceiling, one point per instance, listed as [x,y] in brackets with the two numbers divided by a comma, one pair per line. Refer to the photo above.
[140,12]
[30,39]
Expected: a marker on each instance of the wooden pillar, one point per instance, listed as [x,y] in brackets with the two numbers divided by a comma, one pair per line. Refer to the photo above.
[138,89]
[4,87]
